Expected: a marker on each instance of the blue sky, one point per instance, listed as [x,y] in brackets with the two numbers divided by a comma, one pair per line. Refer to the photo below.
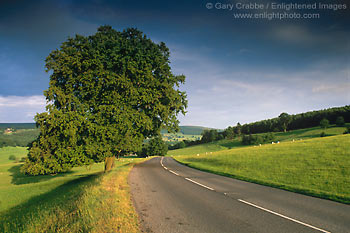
[238,70]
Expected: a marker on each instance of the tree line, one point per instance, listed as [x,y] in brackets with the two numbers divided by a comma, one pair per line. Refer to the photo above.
[298,121]
[284,122]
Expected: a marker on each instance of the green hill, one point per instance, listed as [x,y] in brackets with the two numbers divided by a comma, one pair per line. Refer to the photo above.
[302,162]
[319,166]
[300,134]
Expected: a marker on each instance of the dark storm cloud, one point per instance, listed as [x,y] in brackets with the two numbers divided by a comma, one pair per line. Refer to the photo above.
[29,31]
[295,41]
[237,70]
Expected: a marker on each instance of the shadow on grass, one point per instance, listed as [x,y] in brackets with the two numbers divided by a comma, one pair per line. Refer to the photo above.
[19,178]
[63,197]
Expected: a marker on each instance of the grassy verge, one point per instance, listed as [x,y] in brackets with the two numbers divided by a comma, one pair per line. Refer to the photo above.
[80,201]
[318,167]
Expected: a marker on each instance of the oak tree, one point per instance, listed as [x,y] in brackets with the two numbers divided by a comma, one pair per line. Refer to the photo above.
[107,93]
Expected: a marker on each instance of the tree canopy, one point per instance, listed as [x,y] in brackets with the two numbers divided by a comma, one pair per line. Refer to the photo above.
[107,93]
[156,146]
[324,123]
[284,119]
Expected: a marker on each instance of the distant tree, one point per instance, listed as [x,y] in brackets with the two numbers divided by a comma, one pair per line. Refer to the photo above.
[220,136]
[257,139]
[209,135]
[229,133]
[340,121]
[107,93]
[269,137]
[252,139]
[324,123]
[238,129]
[246,129]
[181,145]
[156,146]
[284,120]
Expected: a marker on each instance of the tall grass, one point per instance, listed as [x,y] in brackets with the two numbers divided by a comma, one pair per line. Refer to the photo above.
[318,167]
[83,200]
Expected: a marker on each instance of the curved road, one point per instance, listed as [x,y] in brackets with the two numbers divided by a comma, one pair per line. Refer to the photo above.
[171,197]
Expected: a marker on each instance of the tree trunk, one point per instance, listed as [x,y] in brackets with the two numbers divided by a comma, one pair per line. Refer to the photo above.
[109,163]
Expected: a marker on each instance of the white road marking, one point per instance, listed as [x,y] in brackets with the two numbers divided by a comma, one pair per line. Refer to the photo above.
[173,172]
[283,216]
[161,163]
[199,184]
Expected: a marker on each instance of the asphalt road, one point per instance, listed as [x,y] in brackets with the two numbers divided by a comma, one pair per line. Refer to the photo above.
[171,197]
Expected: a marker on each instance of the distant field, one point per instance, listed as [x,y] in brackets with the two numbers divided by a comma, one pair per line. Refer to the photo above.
[280,136]
[20,137]
[317,166]
[178,137]
[190,133]
[83,200]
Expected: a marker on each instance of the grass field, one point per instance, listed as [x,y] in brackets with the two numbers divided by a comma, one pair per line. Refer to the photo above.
[280,136]
[206,148]
[318,166]
[83,200]
[178,137]
[20,137]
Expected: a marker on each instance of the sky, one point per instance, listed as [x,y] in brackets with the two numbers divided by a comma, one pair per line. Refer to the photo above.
[237,69]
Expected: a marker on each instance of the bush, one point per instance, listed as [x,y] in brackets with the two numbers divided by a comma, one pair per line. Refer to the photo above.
[252,139]
[258,139]
[269,137]
[347,131]
[323,134]
[181,144]
[12,157]
[340,121]
[156,146]
[324,123]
